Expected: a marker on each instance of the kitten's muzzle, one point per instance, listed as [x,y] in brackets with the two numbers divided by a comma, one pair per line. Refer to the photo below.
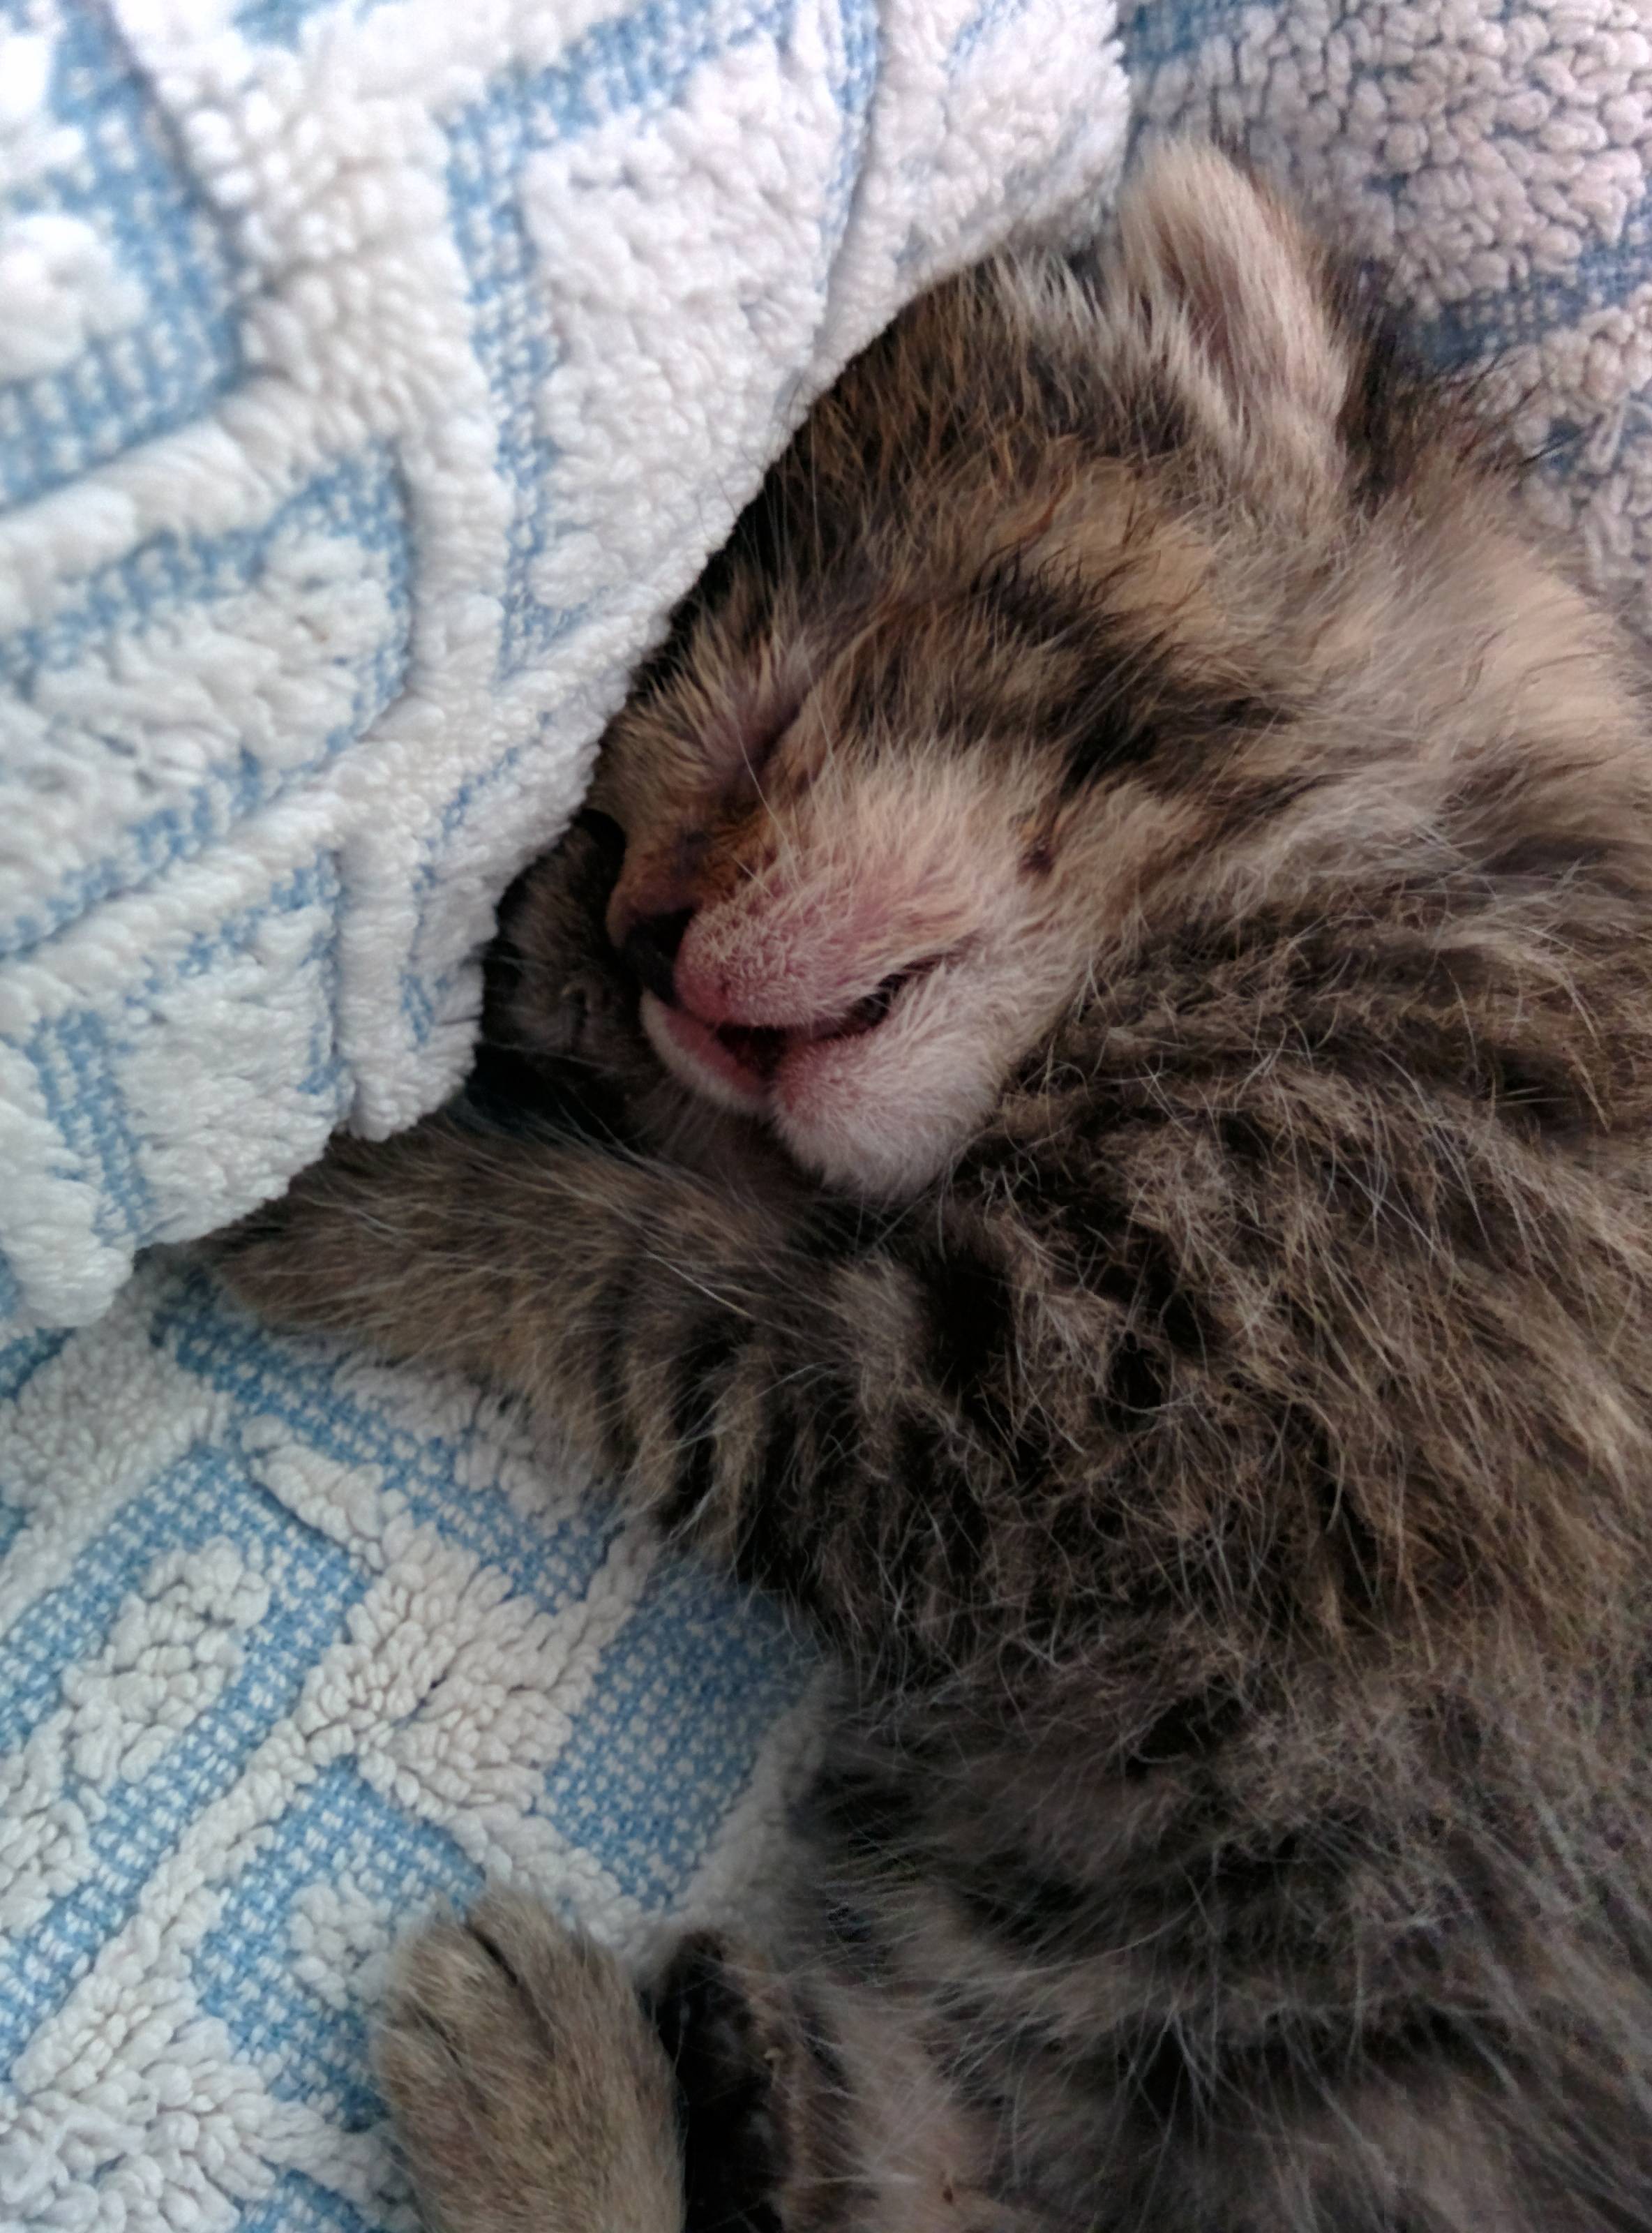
[739,1052]
[649,951]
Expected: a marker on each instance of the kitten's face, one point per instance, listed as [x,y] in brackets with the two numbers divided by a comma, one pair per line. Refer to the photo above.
[1072,591]
[872,886]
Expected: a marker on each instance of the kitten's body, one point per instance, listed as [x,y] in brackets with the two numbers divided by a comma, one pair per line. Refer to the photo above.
[1135,816]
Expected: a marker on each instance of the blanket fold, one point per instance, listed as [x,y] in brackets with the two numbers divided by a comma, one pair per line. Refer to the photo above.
[373,379]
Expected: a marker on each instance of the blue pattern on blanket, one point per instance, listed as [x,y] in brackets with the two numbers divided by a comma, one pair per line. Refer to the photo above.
[80,1060]
[347,525]
[133,1818]
[281,560]
[639,63]
[310,2038]
[119,174]
[1396,76]
[248,1722]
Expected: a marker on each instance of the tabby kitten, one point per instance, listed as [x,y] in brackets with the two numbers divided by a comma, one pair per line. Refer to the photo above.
[1105,1153]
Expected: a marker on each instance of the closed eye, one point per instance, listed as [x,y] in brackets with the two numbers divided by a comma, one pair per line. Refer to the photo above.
[745,742]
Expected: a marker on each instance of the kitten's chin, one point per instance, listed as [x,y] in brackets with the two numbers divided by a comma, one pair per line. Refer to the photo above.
[871,1112]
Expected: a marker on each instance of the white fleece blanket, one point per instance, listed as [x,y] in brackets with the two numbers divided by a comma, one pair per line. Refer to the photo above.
[372,375]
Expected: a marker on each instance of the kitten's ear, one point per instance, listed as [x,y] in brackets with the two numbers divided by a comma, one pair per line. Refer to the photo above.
[1238,303]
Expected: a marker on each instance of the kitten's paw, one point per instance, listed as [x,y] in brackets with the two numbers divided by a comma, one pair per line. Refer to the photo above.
[733,2031]
[529,2090]
[557,991]
[346,1247]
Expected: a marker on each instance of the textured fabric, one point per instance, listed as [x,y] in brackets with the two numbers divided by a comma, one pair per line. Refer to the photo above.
[370,378]
[293,1649]
[1496,156]
[373,378]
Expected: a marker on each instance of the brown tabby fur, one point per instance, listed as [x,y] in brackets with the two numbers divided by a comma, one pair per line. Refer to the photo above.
[1195,1365]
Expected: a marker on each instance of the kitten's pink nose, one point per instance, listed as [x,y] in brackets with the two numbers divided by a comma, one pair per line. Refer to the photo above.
[649,950]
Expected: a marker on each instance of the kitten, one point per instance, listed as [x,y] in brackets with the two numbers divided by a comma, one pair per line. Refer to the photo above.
[1099,1041]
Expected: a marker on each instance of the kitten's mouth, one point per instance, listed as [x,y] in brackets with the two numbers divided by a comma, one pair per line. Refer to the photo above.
[735,1064]
[760,1047]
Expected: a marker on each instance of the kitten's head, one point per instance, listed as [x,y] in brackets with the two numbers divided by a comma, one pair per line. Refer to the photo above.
[1089,591]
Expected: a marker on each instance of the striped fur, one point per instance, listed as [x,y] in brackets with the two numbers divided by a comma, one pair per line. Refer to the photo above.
[1142,865]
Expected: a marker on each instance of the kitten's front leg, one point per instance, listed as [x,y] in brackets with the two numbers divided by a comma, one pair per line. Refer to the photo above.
[573,1275]
[530,2091]
[766,1377]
